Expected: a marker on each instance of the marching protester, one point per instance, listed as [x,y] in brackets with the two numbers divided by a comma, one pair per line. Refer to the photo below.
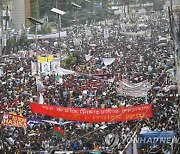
[117,68]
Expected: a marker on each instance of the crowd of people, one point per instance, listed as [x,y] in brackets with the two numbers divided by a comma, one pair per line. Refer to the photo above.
[137,58]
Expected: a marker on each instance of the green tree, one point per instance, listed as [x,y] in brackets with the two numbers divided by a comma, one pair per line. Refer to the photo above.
[45,29]
[23,39]
[32,30]
[11,42]
[35,9]
[45,7]
[72,59]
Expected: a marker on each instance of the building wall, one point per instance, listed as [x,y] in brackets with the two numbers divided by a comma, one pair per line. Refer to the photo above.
[27,11]
[18,14]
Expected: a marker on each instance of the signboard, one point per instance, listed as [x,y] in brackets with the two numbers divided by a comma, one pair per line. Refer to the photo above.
[14,120]
[45,59]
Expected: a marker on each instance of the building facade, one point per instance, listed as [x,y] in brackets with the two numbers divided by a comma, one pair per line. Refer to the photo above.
[21,10]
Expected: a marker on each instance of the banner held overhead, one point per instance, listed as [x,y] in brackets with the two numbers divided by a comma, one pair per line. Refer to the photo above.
[95,115]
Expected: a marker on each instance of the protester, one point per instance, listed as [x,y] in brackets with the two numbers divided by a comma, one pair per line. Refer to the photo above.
[137,58]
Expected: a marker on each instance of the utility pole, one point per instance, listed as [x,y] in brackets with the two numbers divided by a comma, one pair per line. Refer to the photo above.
[94,11]
[56,4]
[7,18]
[59,14]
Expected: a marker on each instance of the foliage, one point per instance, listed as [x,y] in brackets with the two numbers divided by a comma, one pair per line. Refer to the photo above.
[85,13]
[34,9]
[72,59]
[23,39]
[45,29]
[32,30]
[158,5]
[11,42]
[14,41]
[45,7]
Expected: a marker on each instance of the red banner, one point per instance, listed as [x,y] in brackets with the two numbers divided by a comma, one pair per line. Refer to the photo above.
[14,120]
[95,115]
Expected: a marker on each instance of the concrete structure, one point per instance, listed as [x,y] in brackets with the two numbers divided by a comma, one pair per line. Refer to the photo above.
[21,9]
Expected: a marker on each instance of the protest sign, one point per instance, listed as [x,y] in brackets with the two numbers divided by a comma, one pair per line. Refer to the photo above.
[94,115]
[14,120]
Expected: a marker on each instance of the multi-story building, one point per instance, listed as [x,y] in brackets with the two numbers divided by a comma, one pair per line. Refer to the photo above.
[21,10]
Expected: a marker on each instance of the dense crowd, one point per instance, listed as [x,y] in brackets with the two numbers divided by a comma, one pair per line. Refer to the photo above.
[137,58]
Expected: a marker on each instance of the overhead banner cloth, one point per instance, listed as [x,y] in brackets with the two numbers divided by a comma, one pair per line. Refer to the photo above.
[14,120]
[62,71]
[47,36]
[45,59]
[133,90]
[94,115]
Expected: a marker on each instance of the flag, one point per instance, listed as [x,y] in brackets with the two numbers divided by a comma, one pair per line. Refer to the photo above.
[58,132]
[41,99]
